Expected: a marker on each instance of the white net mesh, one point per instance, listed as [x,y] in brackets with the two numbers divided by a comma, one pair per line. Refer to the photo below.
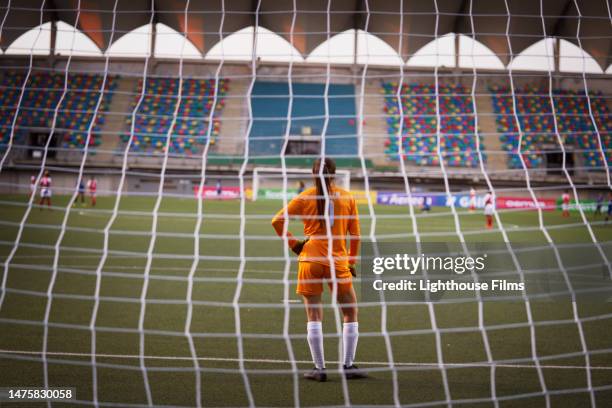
[138,267]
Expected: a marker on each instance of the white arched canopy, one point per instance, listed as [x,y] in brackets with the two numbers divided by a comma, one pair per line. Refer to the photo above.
[439,52]
[574,59]
[237,46]
[136,43]
[373,50]
[537,57]
[71,41]
[36,41]
[474,54]
[169,43]
[269,47]
[338,49]
[272,47]
[347,47]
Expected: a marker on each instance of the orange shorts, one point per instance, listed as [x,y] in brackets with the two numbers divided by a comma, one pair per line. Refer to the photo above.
[311,276]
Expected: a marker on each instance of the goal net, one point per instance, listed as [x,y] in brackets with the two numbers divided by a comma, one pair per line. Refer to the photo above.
[138,140]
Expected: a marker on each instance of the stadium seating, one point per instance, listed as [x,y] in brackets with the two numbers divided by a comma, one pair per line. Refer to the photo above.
[270,103]
[155,115]
[42,95]
[419,133]
[537,124]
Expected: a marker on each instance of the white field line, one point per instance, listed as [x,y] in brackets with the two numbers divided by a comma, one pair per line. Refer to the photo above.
[282,361]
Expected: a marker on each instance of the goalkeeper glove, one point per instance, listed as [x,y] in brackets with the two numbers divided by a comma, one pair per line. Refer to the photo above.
[353,270]
[297,248]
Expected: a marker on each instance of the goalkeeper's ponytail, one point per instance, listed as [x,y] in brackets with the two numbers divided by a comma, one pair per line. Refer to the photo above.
[328,171]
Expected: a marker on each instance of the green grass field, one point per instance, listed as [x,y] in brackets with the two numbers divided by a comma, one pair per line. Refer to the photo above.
[263,316]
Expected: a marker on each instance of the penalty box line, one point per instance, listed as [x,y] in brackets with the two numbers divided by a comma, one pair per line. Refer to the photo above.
[281,361]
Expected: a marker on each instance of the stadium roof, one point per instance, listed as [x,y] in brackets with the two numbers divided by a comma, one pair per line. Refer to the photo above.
[405,25]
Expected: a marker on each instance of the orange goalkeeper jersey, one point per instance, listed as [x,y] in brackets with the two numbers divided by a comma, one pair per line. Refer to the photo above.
[343,218]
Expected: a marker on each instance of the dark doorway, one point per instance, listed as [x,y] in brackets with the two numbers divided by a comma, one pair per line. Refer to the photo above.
[304,147]
[554,162]
[37,142]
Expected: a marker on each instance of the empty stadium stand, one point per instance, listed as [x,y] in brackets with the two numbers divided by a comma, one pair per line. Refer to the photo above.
[419,129]
[537,124]
[270,105]
[155,115]
[43,93]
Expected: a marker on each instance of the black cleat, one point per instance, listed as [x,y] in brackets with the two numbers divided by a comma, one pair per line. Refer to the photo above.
[354,373]
[318,375]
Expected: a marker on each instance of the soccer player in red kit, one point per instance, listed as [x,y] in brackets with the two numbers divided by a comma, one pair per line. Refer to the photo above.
[45,190]
[565,203]
[489,205]
[92,185]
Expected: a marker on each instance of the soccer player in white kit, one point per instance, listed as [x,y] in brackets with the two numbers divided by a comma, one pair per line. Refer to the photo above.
[33,185]
[489,205]
[472,199]
[45,190]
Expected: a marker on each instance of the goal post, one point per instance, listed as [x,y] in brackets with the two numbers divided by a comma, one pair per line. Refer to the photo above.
[272,178]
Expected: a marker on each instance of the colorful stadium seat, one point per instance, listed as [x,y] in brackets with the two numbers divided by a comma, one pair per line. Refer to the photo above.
[43,93]
[419,131]
[155,115]
[538,124]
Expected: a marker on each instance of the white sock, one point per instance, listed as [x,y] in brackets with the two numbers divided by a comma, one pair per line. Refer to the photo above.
[350,335]
[315,341]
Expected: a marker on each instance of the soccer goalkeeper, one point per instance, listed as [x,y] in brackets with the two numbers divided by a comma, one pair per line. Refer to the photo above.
[314,262]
